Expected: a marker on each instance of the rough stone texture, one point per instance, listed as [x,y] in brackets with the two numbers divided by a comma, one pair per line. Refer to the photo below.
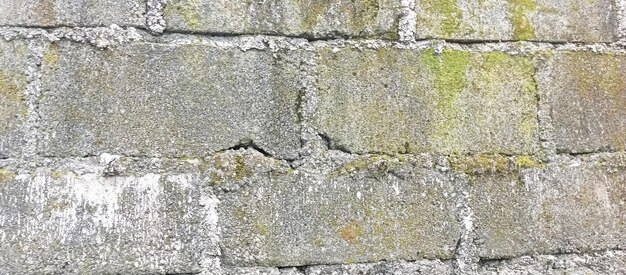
[569,206]
[171,100]
[422,267]
[50,13]
[81,222]
[587,97]
[13,106]
[362,210]
[313,18]
[535,20]
[604,263]
[392,100]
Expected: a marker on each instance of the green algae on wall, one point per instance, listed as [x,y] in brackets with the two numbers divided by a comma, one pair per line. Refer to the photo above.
[449,81]
[188,10]
[522,25]
[447,14]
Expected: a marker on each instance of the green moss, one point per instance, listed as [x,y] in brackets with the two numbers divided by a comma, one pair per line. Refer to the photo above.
[448,72]
[522,26]
[51,56]
[188,10]
[6,175]
[447,13]
[479,164]
[528,162]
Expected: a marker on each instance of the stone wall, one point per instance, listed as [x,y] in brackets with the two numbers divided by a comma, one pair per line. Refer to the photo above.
[312,137]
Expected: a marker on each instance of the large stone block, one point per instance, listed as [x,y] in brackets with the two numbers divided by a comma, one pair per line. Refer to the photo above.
[170,100]
[537,20]
[58,221]
[586,93]
[395,100]
[50,13]
[328,18]
[363,210]
[568,206]
[13,106]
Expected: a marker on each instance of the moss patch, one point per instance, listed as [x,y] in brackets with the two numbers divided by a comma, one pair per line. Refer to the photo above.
[6,175]
[493,164]
[448,72]
[188,10]
[521,23]
[447,15]
[51,56]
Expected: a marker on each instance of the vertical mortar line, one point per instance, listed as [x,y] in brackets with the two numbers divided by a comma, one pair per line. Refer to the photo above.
[312,143]
[544,119]
[407,26]
[620,6]
[155,23]
[466,255]
[36,49]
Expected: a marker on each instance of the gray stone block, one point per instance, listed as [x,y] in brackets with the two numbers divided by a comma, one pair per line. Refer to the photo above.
[51,13]
[568,206]
[536,20]
[600,263]
[421,267]
[363,210]
[393,100]
[171,100]
[60,221]
[328,18]
[13,106]
[586,93]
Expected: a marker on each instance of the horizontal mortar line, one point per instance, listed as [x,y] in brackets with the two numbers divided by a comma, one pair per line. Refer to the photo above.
[219,153]
[341,39]
[483,261]
[68,26]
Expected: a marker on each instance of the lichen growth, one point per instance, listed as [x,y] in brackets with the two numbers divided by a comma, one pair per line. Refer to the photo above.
[188,10]
[51,56]
[56,174]
[528,162]
[520,21]
[352,232]
[12,98]
[448,16]
[6,175]
[448,72]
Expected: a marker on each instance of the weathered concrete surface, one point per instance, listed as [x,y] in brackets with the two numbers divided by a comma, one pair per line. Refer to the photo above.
[392,100]
[192,100]
[601,263]
[360,210]
[535,20]
[313,18]
[587,95]
[13,105]
[80,222]
[422,267]
[572,205]
[51,13]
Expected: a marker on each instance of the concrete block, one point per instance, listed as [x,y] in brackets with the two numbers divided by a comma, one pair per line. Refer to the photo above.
[406,101]
[170,100]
